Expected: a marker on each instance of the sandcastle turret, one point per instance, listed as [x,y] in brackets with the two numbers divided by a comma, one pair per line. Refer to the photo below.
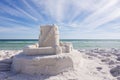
[49,36]
[48,56]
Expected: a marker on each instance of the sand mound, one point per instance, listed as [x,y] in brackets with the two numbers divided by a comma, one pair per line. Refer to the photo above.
[96,66]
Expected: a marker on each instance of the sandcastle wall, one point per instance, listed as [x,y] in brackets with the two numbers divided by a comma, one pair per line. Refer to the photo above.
[49,56]
[49,43]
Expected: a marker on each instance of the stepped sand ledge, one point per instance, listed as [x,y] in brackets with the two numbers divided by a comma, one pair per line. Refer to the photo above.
[97,64]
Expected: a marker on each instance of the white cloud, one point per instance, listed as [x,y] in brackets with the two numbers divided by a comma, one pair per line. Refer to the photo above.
[61,10]
[65,12]
[9,10]
[107,13]
[31,10]
[21,11]
[53,8]
[102,9]
[12,29]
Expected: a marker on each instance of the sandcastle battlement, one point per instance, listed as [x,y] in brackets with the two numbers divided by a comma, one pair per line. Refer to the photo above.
[48,43]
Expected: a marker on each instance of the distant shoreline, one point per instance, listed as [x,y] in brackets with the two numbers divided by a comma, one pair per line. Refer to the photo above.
[60,39]
[13,44]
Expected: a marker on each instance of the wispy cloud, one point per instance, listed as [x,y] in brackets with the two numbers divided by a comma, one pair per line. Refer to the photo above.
[6,9]
[73,16]
[32,10]
[21,11]
[107,13]
[14,29]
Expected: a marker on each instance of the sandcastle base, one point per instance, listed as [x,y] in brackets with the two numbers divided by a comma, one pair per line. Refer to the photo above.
[50,64]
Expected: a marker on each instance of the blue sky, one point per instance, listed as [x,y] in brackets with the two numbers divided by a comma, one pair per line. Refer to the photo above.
[77,19]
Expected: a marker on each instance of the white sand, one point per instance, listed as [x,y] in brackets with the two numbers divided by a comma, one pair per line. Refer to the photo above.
[96,65]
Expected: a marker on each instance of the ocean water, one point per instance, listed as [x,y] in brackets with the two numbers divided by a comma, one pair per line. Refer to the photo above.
[17,44]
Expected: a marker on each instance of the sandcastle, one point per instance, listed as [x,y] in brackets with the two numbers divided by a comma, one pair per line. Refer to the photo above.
[48,56]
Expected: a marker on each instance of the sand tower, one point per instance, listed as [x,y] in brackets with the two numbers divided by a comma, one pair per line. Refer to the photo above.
[48,56]
[49,36]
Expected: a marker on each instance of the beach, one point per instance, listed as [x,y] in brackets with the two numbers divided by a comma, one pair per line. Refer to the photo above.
[96,64]
[60,40]
[100,60]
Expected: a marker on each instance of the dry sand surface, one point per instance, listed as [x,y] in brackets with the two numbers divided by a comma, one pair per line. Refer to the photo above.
[96,64]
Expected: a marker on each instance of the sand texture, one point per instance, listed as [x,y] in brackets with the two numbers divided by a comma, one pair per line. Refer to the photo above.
[97,64]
